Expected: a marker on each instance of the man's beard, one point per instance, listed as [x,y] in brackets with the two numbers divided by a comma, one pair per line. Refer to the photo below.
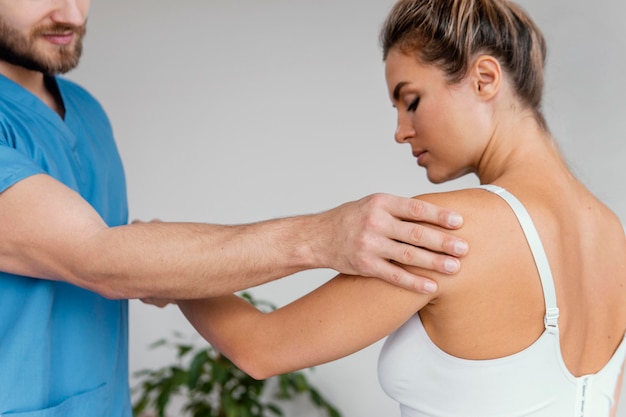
[19,49]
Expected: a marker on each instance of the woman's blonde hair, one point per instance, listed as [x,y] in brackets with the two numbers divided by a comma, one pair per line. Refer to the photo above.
[450,33]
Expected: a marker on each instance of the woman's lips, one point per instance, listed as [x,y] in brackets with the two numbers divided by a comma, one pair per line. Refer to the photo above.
[420,156]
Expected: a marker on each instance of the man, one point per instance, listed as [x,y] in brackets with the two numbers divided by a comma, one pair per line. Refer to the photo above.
[68,258]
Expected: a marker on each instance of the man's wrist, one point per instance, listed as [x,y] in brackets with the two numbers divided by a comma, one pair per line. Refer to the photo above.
[299,240]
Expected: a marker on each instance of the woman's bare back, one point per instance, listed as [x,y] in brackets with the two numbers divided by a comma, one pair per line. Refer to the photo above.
[496,307]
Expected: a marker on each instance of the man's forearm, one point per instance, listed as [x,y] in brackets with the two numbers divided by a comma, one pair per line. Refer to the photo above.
[48,231]
[192,260]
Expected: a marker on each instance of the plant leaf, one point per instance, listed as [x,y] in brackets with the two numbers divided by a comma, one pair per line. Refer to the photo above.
[196,368]
[183,350]
[157,344]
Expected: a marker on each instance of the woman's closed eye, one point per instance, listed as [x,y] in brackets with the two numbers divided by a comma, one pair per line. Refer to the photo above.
[413,106]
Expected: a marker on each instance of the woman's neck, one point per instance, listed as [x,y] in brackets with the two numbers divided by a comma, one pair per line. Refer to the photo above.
[519,146]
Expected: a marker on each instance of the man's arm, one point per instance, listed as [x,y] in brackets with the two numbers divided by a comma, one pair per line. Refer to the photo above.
[48,231]
[360,237]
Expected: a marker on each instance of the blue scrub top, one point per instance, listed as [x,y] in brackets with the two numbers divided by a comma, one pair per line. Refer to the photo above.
[63,349]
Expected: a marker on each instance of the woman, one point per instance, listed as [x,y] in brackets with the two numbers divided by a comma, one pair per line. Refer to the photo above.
[547,338]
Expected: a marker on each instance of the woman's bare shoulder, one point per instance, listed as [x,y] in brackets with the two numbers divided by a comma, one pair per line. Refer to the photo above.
[498,247]
[477,206]
[489,226]
[497,275]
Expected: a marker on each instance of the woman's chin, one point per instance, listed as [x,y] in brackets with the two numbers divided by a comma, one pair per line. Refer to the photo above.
[435,178]
[439,177]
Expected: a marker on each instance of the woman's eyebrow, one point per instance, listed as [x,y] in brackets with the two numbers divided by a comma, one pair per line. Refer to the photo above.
[398,89]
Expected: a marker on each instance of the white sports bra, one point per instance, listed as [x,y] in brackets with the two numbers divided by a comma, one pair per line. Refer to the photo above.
[426,381]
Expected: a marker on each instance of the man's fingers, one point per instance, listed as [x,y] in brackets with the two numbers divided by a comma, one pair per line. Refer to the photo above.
[432,239]
[159,302]
[381,228]
[413,210]
[400,277]
[137,221]
[418,210]
[422,258]
[409,255]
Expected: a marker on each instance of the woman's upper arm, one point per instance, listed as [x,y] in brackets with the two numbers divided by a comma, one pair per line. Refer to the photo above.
[341,317]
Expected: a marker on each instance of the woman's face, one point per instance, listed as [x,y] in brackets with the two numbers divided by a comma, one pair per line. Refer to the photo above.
[444,123]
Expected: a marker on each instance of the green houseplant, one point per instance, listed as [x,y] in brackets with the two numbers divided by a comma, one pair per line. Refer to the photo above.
[210,385]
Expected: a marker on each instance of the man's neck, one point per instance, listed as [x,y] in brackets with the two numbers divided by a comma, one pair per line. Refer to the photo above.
[33,81]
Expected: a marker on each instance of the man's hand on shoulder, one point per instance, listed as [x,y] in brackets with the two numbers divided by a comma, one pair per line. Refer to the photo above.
[371,236]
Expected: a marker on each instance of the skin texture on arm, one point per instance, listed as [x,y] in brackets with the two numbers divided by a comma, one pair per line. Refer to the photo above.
[349,313]
[341,317]
[48,231]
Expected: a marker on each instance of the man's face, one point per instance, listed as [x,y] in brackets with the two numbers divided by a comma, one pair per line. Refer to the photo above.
[42,35]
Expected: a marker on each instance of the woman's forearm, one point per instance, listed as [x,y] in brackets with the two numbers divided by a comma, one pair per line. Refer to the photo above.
[341,317]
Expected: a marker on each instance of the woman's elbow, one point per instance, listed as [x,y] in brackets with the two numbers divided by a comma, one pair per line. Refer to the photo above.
[257,365]
[259,371]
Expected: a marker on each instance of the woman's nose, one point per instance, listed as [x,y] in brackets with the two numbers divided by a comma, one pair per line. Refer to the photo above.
[404,130]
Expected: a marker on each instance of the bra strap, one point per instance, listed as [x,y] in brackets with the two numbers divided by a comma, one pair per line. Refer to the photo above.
[551,318]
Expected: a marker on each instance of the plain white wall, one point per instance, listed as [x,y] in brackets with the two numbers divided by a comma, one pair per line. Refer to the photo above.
[231,112]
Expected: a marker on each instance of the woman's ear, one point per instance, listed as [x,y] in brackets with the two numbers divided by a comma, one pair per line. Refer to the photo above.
[486,76]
